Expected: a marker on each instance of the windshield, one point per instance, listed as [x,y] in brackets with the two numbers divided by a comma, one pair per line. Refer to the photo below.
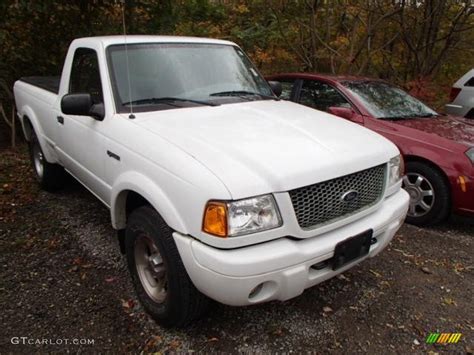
[385,101]
[171,75]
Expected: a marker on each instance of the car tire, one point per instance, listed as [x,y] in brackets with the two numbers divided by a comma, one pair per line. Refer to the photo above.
[430,200]
[51,177]
[160,279]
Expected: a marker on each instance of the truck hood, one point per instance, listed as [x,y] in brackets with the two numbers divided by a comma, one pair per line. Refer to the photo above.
[269,146]
[456,129]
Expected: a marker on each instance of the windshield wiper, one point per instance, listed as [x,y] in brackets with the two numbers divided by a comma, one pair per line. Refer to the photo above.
[426,115]
[404,117]
[168,101]
[243,93]
[394,118]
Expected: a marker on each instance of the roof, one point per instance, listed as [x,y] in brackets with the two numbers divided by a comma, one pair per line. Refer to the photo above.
[120,39]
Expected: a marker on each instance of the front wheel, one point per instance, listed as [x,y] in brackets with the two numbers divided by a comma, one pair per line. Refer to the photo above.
[158,274]
[429,194]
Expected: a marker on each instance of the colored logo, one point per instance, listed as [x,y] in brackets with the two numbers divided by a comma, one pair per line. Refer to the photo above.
[443,338]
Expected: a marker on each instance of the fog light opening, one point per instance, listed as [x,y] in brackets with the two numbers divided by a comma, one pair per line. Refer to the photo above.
[263,291]
[256,290]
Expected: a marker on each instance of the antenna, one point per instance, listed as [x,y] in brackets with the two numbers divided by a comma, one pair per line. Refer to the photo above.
[131,116]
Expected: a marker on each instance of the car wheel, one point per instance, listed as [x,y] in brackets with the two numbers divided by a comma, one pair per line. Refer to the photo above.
[430,201]
[50,177]
[158,274]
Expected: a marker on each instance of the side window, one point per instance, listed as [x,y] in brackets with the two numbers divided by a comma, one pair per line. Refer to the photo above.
[286,88]
[321,96]
[85,74]
[470,82]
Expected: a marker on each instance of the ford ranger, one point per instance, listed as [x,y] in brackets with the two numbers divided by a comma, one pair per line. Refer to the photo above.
[218,189]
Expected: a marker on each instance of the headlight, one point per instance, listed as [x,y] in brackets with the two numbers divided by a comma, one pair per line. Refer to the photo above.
[470,154]
[395,170]
[234,218]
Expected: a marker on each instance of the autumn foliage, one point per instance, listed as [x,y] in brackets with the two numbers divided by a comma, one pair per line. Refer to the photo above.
[422,45]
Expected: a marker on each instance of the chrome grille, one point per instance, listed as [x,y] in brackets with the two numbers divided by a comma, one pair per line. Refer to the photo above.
[323,202]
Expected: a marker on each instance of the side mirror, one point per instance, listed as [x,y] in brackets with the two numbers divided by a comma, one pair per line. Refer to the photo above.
[276,87]
[82,105]
[346,113]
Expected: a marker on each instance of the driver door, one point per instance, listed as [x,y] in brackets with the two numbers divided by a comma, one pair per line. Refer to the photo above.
[80,140]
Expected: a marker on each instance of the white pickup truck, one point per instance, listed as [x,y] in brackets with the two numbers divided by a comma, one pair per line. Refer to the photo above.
[218,189]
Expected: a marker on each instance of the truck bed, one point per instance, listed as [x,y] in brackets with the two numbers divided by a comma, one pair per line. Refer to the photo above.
[49,83]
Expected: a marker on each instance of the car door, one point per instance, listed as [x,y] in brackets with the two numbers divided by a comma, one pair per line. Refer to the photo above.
[79,138]
[288,88]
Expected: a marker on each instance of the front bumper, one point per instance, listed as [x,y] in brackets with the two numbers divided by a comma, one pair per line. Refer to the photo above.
[463,201]
[283,268]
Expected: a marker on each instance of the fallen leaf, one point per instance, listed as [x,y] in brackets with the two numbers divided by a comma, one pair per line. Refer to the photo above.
[174,344]
[128,304]
[342,277]
[426,270]
[449,301]
[152,342]
[375,273]
[77,261]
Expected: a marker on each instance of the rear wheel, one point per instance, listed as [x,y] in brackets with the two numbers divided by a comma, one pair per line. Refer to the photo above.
[429,194]
[51,177]
[158,274]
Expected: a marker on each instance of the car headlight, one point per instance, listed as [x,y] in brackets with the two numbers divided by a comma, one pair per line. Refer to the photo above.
[470,154]
[234,218]
[396,168]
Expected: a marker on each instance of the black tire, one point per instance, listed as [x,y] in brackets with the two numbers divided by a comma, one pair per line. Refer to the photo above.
[441,200]
[182,302]
[51,177]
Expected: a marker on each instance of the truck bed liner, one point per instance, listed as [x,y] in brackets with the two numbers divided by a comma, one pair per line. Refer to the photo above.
[50,83]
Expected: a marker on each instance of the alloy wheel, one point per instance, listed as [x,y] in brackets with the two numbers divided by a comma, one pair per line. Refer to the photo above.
[151,268]
[422,195]
[38,160]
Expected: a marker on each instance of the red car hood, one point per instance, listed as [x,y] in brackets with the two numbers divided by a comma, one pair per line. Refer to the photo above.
[456,129]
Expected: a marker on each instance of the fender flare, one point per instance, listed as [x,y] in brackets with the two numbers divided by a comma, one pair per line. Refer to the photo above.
[135,182]
[27,114]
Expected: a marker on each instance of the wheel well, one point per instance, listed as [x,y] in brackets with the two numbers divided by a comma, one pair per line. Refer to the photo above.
[414,158]
[27,127]
[133,200]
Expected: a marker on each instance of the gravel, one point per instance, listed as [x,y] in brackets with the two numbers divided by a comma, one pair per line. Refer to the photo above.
[63,277]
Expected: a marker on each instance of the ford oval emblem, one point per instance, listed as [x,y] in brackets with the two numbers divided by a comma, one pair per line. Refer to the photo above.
[349,196]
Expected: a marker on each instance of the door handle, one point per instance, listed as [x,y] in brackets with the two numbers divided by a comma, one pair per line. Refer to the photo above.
[60,119]
[113,155]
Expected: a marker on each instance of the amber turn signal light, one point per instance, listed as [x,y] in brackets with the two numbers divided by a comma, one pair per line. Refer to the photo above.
[462,183]
[215,219]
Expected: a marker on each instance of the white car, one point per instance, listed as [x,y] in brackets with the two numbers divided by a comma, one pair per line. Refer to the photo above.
[216,187]
[462,97]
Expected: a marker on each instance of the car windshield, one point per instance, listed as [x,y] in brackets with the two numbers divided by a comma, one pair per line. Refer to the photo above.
[386,101]
[174,75]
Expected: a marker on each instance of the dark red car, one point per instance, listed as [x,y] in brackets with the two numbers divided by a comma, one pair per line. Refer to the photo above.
[438,149]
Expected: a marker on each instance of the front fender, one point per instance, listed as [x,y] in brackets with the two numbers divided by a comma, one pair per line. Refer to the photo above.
[144,186]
